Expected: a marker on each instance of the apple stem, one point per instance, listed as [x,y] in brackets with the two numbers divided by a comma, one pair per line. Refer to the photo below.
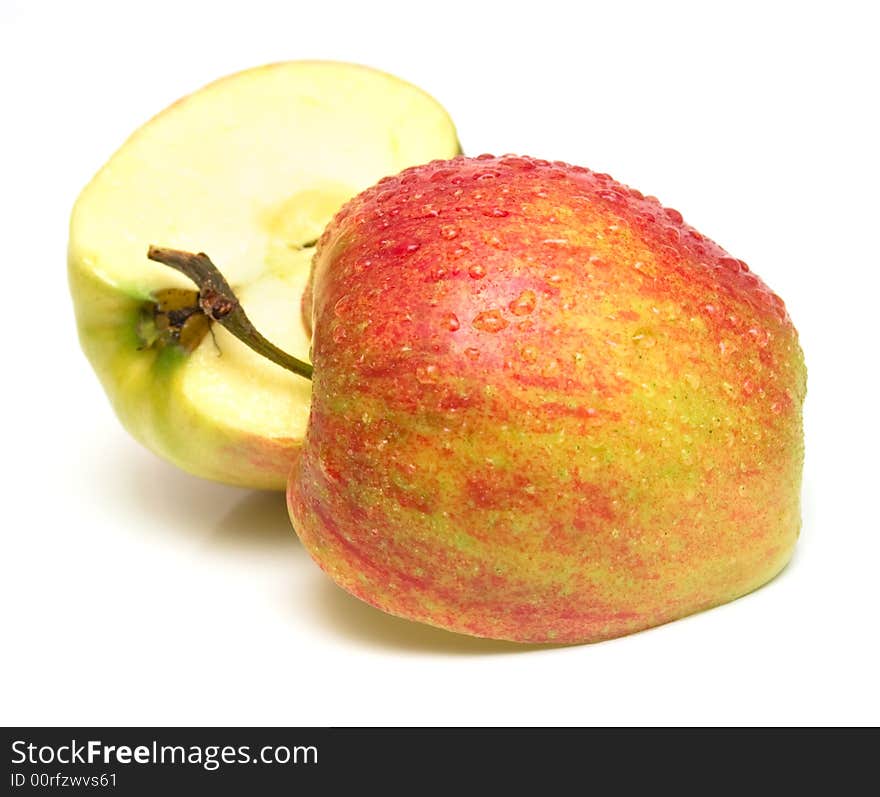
[219,303]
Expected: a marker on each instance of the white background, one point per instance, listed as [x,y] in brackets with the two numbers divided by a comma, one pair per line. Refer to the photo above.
[134,594]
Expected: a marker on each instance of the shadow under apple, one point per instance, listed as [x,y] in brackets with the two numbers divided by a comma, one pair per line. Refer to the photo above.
[369,626]
[234,520]
[259,519]
[222,517]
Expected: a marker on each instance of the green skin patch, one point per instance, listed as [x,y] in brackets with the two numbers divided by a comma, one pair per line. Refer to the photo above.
[140,350]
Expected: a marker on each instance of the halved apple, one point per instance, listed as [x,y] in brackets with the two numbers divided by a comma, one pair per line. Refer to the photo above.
[250,168]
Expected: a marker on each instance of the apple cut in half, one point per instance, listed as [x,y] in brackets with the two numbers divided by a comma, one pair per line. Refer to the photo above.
[250,168]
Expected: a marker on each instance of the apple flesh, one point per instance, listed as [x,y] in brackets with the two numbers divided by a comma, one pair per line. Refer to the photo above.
[250,168]
[544,408]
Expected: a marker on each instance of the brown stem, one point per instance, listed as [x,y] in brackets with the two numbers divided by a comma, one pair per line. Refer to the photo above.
[220,304]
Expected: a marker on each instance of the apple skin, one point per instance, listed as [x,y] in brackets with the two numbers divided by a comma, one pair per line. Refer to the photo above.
[544,408]
[143,387]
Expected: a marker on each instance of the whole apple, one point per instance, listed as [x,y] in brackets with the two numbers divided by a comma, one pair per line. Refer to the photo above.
[544,408]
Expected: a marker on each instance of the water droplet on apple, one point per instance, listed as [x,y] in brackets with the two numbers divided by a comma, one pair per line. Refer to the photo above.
[427,374]
[693,380]
[729,264]
[673,215]
[778,305]
[490,321]
[342,306]
[448,232]
[496,213]
[644,338]
[551,369]
[450,322]
[471,353]
[760,336]
[609,195]
[441,175]
[529,354]
[476,271]
[524,303]
[523,164]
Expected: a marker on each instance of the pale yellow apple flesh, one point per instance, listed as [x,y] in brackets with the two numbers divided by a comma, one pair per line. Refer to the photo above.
[250,169]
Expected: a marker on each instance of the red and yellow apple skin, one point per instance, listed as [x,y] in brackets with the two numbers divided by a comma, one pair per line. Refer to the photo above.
[544,408]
